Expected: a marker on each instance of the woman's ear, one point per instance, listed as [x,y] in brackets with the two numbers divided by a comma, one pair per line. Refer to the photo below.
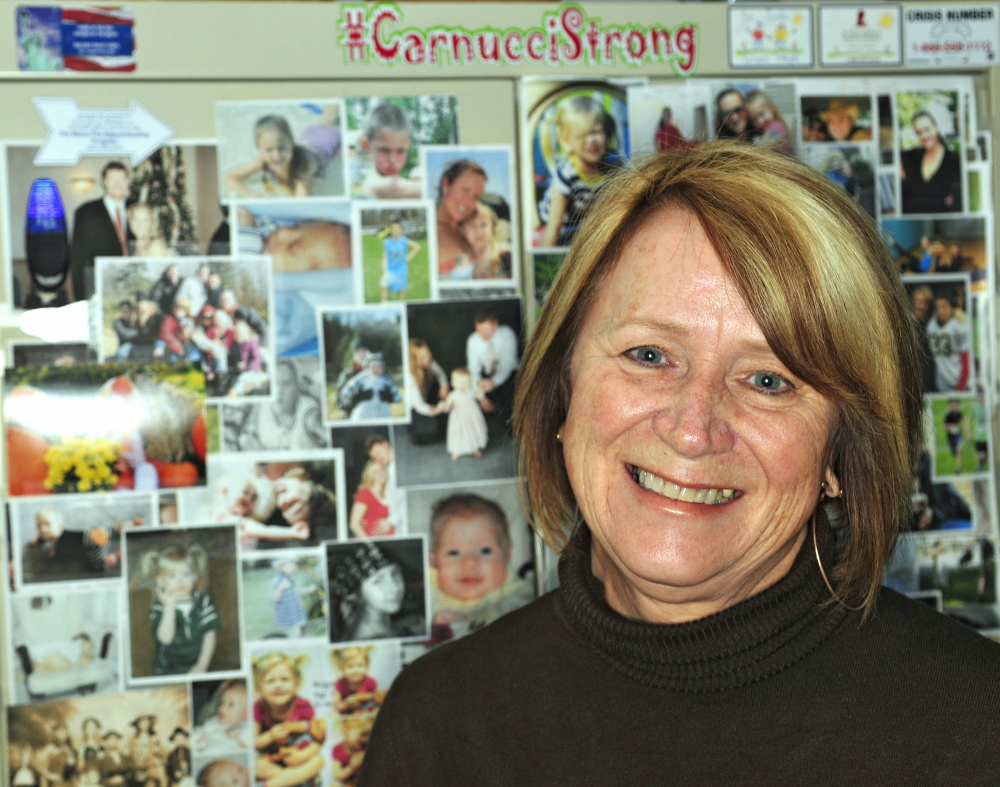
[832,486]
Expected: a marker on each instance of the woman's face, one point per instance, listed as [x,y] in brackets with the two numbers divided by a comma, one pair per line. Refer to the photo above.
[459,198]
[141,222]
[383,591]
[839,126]
[926,131]
[694,454]
[279,685]
[734,112]
[424,357]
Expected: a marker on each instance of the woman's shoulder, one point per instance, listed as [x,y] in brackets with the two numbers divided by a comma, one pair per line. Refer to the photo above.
[920,636]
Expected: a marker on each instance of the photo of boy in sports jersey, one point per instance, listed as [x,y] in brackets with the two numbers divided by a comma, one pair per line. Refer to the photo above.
[948,327]
[960,439]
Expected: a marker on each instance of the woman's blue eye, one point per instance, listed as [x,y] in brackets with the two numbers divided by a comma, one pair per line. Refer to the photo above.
[647,355]
[768,382]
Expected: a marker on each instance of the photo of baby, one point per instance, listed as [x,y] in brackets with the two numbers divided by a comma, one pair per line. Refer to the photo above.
[222,716]
[481,561]
[280,148]
[309,243]
[178,580]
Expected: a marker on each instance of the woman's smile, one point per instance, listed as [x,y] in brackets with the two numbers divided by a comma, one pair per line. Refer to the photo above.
[686,493]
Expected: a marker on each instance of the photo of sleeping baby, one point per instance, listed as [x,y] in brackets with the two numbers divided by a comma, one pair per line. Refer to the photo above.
[309,243]
[210,311]
[64,642]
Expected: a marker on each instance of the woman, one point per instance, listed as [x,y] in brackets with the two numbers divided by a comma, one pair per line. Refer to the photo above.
[698,400]
[931,173]
[426,390]
[370,514]
[732,120]
[462,184]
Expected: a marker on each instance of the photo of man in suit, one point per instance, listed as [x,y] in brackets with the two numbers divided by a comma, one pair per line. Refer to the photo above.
[100,228]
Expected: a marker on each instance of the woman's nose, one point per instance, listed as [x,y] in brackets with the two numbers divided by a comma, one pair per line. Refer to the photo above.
[694,418]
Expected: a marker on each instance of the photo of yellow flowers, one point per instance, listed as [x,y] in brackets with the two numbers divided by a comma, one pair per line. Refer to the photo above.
[105,427]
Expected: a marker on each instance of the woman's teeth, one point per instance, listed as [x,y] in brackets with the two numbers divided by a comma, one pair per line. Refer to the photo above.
[686,494]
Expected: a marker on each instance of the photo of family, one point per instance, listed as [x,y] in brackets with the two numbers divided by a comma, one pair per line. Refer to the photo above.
[273,149]
[66,538]
[210,311]
[166,205]
[178,581]
[394,247]
[365,364]
[309,245]
[102,741]
[940,245]
[384,134]
[463,363]
[98,428]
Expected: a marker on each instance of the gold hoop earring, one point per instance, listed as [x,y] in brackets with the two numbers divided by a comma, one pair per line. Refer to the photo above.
[822,571]
[559,436]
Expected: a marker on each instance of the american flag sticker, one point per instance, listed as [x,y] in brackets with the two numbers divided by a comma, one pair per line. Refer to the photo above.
[98,39]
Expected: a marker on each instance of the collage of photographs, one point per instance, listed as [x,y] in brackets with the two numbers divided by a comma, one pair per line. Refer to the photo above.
[284,468]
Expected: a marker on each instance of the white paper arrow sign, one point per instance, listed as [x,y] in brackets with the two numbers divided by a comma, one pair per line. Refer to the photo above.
[74,132]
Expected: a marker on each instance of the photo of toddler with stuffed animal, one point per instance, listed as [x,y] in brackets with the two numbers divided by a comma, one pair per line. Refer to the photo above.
[178,580]
[364,673]
[288,733]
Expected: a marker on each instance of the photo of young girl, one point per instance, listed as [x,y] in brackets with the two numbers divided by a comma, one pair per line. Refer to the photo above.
[178,580]
[467,433]
[377,589]
[284,595]
[393,249]
[349,753]
[574,138]
[288,733]
[365,672]
[766,118]
[222,714]
[280,148]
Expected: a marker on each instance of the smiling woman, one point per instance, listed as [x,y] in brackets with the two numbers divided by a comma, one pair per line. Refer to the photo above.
[724,372]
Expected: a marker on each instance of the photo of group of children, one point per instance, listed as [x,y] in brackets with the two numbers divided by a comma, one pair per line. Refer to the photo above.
[294,472]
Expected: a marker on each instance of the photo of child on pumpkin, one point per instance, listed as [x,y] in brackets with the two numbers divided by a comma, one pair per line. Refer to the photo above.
[470,554]
[287,732]
[356,691]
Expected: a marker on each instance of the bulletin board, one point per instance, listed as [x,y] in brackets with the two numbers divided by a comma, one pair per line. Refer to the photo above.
[281,411]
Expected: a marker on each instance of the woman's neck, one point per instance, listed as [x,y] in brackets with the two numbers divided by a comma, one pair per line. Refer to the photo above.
[443,217]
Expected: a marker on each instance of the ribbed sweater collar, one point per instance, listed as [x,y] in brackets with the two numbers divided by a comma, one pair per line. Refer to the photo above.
[745,643]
